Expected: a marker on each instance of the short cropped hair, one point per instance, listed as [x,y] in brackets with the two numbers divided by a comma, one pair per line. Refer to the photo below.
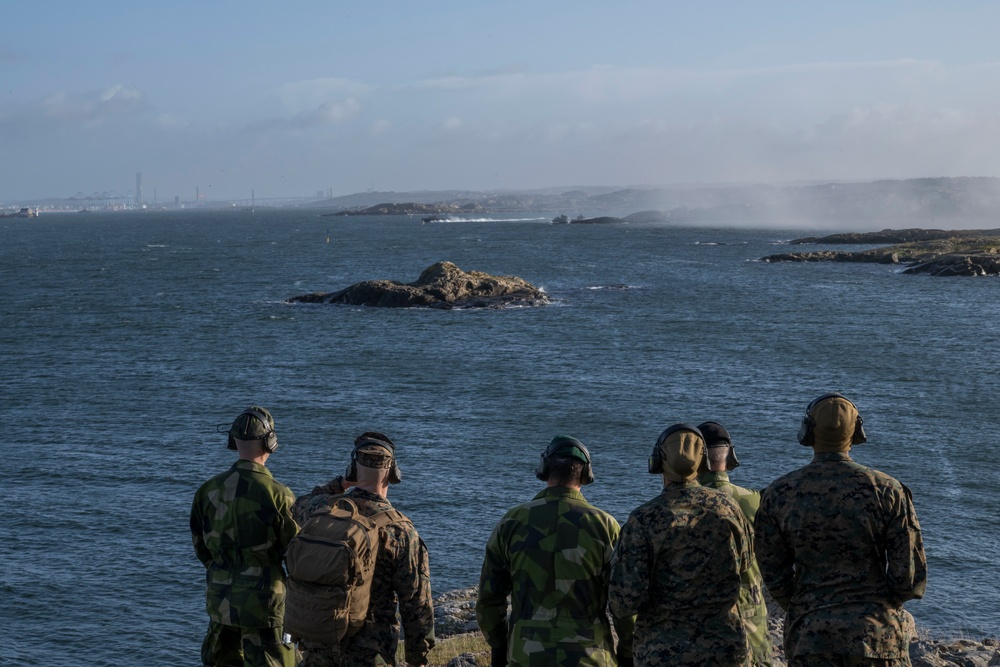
[565,471]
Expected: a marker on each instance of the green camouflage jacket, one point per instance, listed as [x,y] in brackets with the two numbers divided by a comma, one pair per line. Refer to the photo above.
[402,575]
[677,567]
[840,550]
[752,605]
[551,556]
[241,522]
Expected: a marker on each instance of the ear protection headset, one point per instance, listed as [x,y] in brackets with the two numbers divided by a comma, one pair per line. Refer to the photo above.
[559,443]
[269,439]
[374,438]
[656,458]
[806,435]
[708,429]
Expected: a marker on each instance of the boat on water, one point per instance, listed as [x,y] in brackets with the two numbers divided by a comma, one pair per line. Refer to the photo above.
[23,213]
[436,218]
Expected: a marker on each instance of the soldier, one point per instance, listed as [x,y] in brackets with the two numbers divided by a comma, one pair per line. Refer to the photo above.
[241,522]
[722,459]
[402,570]
[679,561]
[840,549]
[551,556]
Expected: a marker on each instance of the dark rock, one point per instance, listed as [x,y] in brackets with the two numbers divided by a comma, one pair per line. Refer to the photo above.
[441,285]
[602,220]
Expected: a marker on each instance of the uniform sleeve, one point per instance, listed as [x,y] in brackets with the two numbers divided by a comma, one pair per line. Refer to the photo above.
[628,589]
[906,563]
[198,534]
[495,585]
[412,583]
[774,556]
[285,526]
[624,625]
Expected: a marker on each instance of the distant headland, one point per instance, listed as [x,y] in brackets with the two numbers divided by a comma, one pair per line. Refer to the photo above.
[937,252]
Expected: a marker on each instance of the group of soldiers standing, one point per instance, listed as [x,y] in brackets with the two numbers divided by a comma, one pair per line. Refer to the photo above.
[836,544]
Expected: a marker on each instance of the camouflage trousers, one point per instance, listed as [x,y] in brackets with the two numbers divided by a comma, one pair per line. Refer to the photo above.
[836,660]
[316,655]
[760,640]
[232,646]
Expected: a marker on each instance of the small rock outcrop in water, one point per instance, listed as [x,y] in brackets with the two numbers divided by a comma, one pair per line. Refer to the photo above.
[441,285]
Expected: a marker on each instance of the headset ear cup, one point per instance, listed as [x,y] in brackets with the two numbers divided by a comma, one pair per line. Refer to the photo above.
[352,471]
[656,462]
[806,437]
[859,432]
[395,476]
[231,441]
[542,470]
[731,461]
[587,475]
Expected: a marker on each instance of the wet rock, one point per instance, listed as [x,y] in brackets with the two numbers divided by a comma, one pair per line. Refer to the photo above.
[441,285]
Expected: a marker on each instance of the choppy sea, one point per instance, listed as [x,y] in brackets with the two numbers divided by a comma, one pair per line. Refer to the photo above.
[127,338]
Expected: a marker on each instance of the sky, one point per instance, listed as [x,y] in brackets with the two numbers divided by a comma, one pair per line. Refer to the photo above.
[289,99]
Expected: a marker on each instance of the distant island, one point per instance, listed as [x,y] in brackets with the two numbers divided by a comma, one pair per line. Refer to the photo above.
[937,252]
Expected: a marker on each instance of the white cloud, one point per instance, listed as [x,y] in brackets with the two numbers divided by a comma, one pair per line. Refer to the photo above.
[307,96]
[93,106]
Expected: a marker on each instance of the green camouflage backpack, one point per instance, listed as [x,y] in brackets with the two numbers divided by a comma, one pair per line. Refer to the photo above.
[330,566]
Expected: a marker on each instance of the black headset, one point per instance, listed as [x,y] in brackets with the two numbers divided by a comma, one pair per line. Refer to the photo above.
[656,458]
[807,436]
[374,438]
[269,439]
[559,443]
[731,461]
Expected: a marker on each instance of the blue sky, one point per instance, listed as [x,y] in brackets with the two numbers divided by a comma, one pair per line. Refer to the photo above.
[291,98]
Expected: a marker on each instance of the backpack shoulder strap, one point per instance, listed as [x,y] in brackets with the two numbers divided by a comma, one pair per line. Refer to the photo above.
[388,518]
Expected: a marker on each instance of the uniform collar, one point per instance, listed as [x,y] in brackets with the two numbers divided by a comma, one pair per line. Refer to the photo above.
[714,476]
[559,492]
[831,456]
[252,466]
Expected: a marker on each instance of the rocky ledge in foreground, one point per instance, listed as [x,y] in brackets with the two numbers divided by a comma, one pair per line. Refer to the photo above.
[455,614]
[441,285]
[959,255]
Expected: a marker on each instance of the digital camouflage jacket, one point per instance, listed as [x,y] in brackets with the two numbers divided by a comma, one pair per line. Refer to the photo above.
[241,523]
[677,567]
[840,550]
[552,557]
[752,605]
[402,575]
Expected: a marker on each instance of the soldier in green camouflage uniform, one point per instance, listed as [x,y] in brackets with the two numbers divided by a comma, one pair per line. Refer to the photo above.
[721,459]
[241,522]
[402,569]
[551,556]
[679,562]
[840,549]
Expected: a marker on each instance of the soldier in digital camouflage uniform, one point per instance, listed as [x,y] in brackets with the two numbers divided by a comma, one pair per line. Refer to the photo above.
[679,563]
[551,557]
[241,522]
[402,569]
[840,549]
[721,459]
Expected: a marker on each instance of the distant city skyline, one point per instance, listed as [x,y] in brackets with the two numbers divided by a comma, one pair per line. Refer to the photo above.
[227,98]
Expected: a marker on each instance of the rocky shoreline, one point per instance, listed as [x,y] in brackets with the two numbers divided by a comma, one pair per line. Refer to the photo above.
[455,614]
[934,252]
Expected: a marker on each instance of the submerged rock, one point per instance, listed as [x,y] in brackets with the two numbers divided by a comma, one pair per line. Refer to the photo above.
[441,285]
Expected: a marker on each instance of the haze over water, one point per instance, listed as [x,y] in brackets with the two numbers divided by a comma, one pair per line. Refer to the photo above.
[127,338]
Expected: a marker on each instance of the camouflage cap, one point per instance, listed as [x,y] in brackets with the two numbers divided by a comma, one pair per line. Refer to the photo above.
[683,455]
[249,427]
[568,447]
[374,450]
[834,420]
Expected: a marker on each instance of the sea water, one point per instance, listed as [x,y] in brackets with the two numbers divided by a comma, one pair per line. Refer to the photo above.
[127,338]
